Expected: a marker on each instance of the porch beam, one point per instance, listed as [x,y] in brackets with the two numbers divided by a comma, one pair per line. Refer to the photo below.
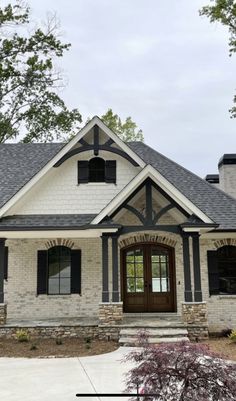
[196,268]
[161,227]
[188,296]
[115,272]
[2,259]
[105,273]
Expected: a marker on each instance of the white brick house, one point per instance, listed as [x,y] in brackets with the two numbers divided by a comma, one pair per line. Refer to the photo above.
[98,229]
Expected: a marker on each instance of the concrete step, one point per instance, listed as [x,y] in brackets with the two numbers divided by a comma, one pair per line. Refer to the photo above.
[130,341]
[129,335]
[155,332]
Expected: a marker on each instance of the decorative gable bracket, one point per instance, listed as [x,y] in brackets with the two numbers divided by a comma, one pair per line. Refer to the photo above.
[96,147]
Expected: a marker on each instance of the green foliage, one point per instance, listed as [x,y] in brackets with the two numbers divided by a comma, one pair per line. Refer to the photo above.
[232,336]
[29,82]
[22,336]
[127,130]
[224,11]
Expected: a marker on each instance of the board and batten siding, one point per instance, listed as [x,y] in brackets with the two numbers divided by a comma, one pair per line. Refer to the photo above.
[58,192]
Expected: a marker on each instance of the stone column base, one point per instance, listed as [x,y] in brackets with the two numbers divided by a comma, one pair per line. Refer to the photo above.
[194,315]
[110,313]
[3,314]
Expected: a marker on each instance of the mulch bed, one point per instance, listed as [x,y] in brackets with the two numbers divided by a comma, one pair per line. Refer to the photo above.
[223,346]
[43,348]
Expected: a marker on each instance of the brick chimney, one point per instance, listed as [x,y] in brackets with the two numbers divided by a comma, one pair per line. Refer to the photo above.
[227,174]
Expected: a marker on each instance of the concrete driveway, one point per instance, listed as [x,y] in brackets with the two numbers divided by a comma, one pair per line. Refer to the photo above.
[60,379]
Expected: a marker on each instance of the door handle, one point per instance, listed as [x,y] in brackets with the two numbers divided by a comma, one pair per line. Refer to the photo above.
[145,284]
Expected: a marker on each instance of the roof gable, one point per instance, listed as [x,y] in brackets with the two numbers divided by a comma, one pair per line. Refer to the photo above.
[163,183]
[38,169]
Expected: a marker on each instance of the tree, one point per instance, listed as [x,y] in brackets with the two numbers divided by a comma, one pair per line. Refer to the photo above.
[127,130]
[224,11]
[30,106]
[181,372]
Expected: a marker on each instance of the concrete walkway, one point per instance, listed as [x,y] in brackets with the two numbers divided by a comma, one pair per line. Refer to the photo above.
[60,379]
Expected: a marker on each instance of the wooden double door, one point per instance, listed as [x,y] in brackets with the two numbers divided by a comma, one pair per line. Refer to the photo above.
[148,278]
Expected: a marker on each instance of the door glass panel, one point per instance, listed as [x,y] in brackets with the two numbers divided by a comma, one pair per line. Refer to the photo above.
[130,270]
[130,284]
[139,285]
[139,270]
[134,271]
[160,270]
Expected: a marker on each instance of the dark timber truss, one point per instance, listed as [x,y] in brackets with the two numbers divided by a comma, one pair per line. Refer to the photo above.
[96,147]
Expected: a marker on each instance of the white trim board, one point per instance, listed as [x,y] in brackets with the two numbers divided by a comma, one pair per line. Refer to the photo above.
[95,121]
[174,193]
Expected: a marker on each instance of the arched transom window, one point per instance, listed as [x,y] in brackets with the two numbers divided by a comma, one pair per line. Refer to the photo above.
[59,270]
[96,170]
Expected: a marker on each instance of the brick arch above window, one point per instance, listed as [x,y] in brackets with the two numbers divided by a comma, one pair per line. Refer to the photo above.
[59,242]
[147,237]
[224,242]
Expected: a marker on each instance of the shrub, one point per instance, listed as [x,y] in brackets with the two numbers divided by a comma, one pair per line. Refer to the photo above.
[232,336]
[33,347]
[225,332]
[22,335]
[181,372]
[59,341]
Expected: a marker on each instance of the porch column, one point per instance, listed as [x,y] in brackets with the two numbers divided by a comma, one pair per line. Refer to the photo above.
[115,272]
[2,260]
[196,268]
[105,274]
[188,296]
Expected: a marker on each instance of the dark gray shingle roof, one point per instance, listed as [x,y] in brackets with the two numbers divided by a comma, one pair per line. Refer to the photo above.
[216,204]
[46,221]
[19,162]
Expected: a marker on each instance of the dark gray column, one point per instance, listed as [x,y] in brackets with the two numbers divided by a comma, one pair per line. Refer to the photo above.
[105,274]
[2,259]
[188,296]
[115,272]
[196,268]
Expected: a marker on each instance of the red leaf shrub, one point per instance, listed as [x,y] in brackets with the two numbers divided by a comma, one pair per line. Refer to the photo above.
[181,372]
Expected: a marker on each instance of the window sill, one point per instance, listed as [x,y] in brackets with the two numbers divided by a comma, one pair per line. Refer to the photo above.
[224,296]
[96,183]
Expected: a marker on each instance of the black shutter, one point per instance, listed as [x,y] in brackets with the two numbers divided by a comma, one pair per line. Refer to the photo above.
[6,263]
[42,276]
[110,174]
[76,271]
[83,171]
[213,272]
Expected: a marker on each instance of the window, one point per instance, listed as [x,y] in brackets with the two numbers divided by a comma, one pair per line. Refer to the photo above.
[59,270]
[222,270]
[96,170]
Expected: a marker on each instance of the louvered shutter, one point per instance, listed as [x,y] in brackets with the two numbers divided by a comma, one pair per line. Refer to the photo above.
[83,171]
[213,272]
[110,173]
[6,263]
[76,271]
[42,275]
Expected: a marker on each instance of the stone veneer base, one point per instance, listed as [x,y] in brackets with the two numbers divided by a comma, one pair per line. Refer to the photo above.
[194,315]
[3,314]
[94,332]
[110,313]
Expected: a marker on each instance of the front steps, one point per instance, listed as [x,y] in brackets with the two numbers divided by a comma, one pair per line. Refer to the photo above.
[159,328]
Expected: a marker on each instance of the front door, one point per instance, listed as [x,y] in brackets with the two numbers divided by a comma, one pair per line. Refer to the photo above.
[148,278]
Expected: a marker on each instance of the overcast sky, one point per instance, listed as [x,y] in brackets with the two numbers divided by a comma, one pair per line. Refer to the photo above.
[157,61]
